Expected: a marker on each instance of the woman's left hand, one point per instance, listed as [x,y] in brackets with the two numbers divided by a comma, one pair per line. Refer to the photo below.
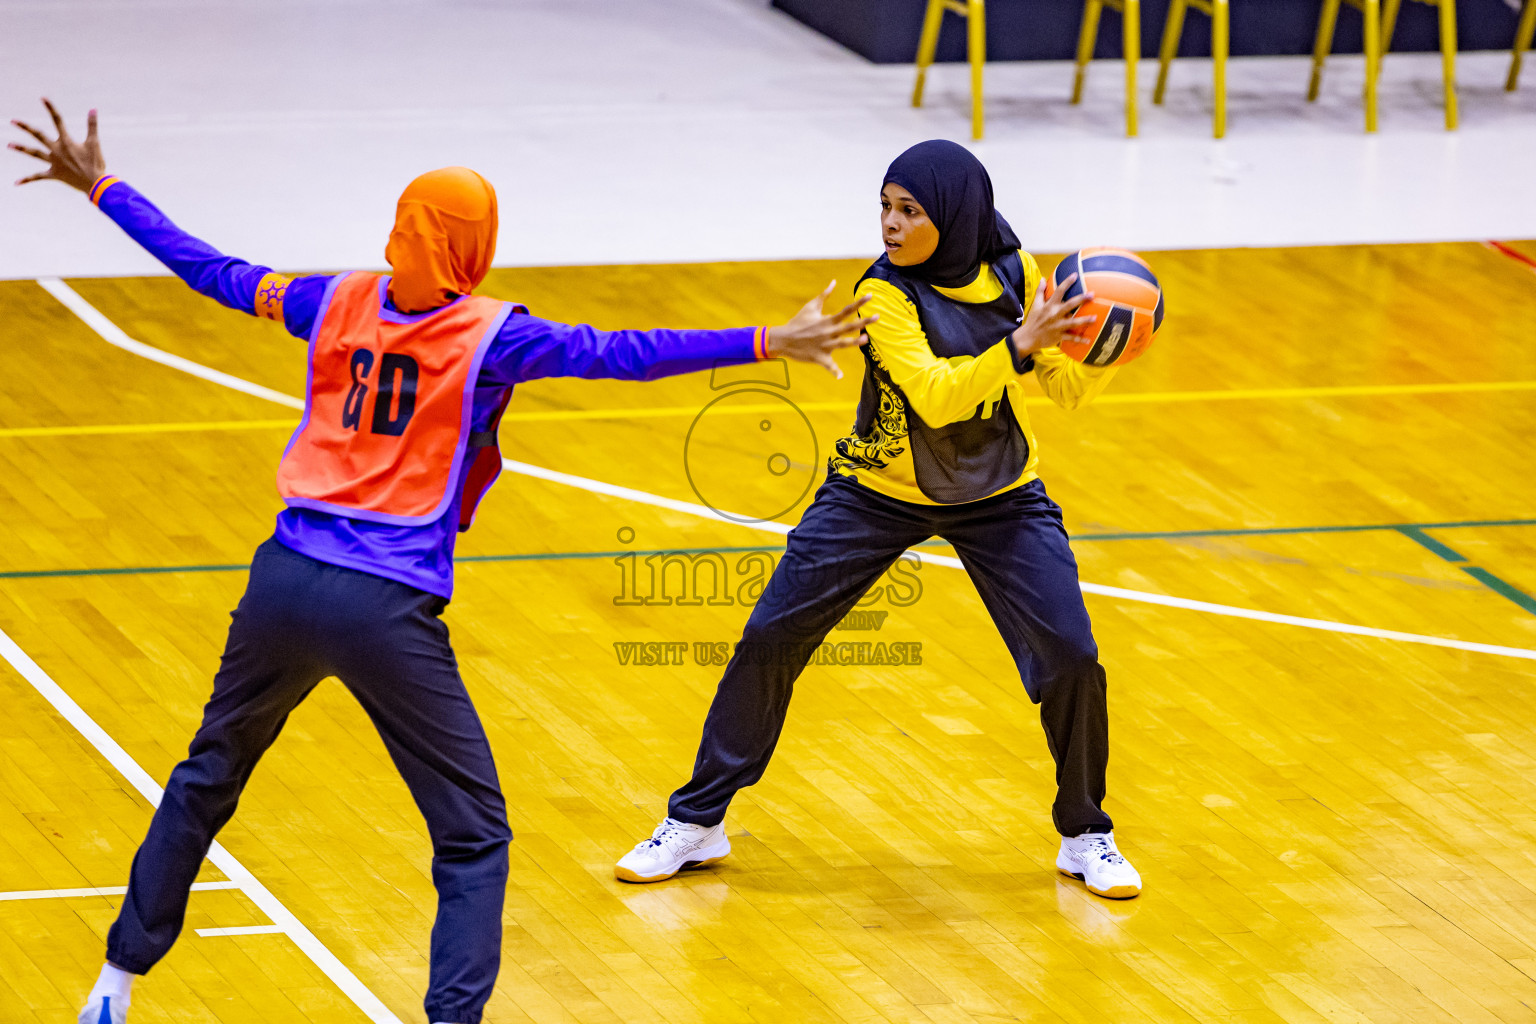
[812,335]
[78,165]
[1050,320]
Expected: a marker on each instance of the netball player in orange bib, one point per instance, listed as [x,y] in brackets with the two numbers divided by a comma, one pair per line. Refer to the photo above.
[408,377]
[941,446]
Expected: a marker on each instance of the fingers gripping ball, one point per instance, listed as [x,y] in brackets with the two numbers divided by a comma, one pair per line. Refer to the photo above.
[1127,305]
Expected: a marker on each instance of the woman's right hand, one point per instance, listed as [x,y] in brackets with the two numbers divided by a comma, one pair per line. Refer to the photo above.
[812,336]
[78,165]
[1050,320]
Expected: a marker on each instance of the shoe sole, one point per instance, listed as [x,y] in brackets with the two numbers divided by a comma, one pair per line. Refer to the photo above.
[1118,892]
[624,874]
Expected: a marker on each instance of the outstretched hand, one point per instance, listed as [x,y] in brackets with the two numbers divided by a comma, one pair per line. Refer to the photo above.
[1050,320]
[812,335]
[78,165]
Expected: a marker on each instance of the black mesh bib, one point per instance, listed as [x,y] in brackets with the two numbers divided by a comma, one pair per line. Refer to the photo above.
[972,458]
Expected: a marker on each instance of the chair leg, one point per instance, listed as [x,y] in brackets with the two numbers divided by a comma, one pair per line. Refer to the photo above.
[926,45]
[1173,31]
[1327,22]
[1389,9]
[1086,37]
[1221,36]
[1448,59]
[1131,23]
[1523,36]
[977,15]
[1372,60]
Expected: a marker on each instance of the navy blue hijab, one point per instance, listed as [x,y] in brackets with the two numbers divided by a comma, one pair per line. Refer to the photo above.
[950,184]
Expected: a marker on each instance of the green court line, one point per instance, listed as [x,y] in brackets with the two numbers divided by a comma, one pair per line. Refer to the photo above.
[1263,531]
[643,552]
[546,556]
[1501,588]
[690,411]
[1418,536]
[1411,530]
[127,570]
[1483,576]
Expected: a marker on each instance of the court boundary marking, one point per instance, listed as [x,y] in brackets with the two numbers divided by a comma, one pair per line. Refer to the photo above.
[281,917]
[1413,531]
[100,890]
[1499,586]
[240,929]
[1138,596]
[749,409]
[122,890]
[114,335]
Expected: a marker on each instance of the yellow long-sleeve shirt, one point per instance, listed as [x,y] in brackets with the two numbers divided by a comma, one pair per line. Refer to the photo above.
[946,390]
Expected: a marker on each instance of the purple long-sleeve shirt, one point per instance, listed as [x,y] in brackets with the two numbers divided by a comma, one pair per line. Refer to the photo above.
[526,348]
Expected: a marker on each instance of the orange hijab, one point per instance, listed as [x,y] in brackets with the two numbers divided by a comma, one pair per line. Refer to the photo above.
[444,238]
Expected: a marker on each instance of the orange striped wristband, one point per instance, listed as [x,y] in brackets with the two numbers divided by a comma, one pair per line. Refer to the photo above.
[103,183]
[760,343]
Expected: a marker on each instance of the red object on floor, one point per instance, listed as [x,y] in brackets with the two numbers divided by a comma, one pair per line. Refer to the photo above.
[1511,252]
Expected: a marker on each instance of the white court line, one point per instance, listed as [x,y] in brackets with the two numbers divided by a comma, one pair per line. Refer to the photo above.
[643,497]
[105,890]
[221,858]
[113,334]
[1141,596]
[245,929]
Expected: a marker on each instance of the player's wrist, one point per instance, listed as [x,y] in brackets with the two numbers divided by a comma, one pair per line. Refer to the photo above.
[1022,357]
[778,341]
[1024,342]
[98,187]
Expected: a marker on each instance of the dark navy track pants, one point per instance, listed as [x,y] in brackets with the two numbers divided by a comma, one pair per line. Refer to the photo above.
[1015,549]
[300,621]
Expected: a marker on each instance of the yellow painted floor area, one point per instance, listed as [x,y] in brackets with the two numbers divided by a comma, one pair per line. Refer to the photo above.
[1331,827]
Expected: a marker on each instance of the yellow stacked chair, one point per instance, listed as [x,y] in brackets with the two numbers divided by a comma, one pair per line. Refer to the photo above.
[1523,34]
[1380,23]
[1447,10]
[975,14]
[1088,34]
[1370,10]
[1221,36]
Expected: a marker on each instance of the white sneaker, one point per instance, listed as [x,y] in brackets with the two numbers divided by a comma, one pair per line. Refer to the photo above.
[1093,859]
[104,1010]
[673,847]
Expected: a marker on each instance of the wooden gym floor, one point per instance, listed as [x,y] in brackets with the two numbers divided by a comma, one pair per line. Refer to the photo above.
[1331,826]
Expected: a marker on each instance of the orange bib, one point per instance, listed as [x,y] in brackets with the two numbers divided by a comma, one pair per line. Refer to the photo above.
[386,421]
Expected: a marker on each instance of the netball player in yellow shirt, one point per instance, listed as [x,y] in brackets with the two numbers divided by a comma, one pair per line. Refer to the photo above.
[941,446]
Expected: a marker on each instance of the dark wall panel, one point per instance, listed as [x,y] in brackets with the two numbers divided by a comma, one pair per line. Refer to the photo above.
[886,31]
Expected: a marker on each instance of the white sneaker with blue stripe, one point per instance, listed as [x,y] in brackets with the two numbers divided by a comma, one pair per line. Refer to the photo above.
[104,1010]
[1098,864]
[673,847]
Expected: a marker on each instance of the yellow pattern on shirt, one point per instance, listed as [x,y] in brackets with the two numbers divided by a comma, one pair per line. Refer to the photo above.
[270,292]
[946,390]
